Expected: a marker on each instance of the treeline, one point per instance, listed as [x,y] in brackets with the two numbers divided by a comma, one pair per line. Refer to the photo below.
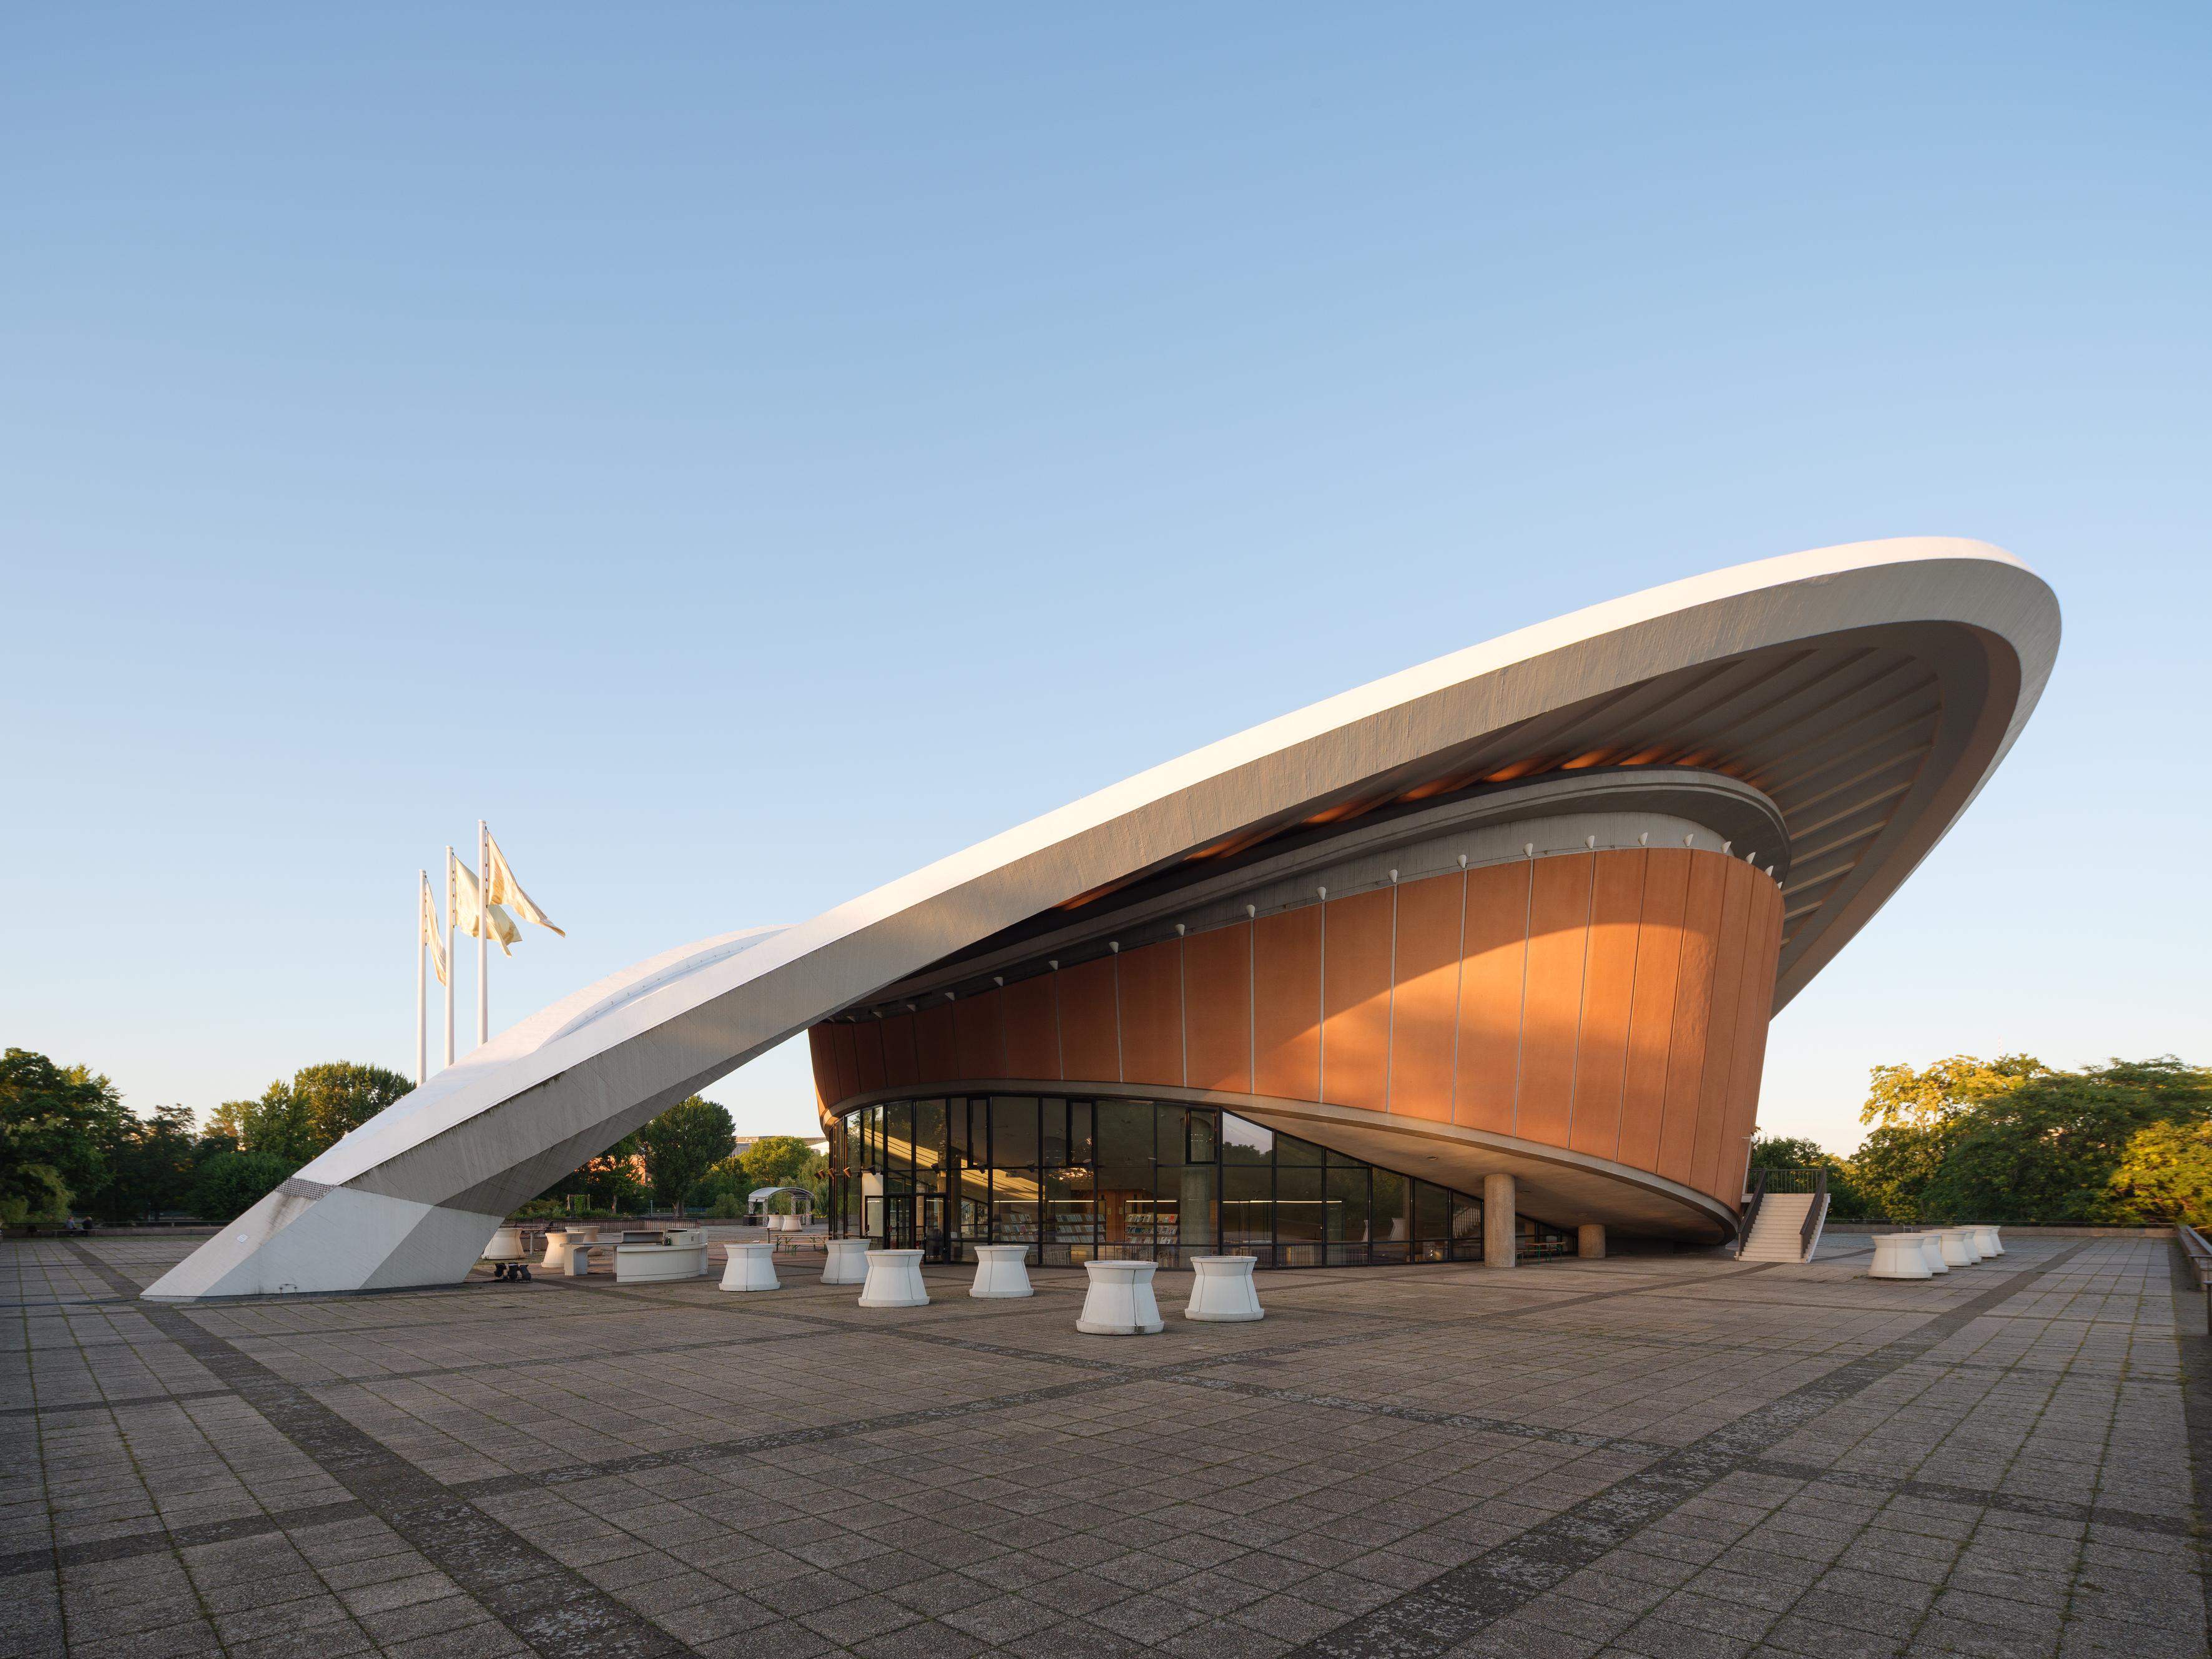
[70,1146]
[2011,1139]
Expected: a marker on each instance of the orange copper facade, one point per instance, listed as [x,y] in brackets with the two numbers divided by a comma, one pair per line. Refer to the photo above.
[1613,1004]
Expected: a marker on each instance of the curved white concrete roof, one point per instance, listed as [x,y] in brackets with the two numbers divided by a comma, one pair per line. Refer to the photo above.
[1881,683]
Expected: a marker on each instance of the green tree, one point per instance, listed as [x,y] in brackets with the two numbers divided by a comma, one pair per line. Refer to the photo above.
[1918,1116]
[2165,1176]
[54,1122]
[297,1120]
[682,1145]
[2049,1150]
[229,1184]
[149,1166]
[784,1161]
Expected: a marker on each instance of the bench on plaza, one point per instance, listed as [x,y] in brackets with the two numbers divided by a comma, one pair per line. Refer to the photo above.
[646,1258]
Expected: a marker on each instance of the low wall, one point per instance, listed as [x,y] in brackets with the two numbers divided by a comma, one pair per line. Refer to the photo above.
[2031,1228]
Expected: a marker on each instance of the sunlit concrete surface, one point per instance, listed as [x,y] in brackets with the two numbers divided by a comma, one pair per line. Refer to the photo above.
[1656,1455]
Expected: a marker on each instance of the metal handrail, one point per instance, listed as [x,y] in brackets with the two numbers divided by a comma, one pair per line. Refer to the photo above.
[1814,1212]
[1751,1213]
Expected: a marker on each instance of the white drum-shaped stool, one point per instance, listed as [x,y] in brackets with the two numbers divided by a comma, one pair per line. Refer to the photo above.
[1899,1255]
[1221,1290]
[1001,1270]
[1931,1249]
[752,1266]
[506,1246]
[893,1280]
[1958,1246]
[1985,1241]
[845,1261]
[1120,1301]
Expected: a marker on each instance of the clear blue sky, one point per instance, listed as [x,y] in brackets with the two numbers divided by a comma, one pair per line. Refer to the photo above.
[748,453]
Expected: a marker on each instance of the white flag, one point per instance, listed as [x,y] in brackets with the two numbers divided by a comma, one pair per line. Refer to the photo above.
[504,933]
[506,890]
[433,935]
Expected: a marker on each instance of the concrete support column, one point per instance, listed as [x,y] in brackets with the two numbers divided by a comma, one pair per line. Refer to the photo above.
[1498,1220]
[1589,1240]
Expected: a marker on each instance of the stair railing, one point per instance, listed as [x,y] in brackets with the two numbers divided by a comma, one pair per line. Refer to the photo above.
[1814,1213]
[1751,1213]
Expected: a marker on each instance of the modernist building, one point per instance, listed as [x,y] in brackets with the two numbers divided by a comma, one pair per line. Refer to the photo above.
[1458,963]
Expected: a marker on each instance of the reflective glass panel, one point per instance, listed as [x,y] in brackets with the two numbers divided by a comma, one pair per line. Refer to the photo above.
[1125,1197]
[1071,1213]
[1298,1205]
[1054,1133]
[1078,1131]
[1124,1133]
[1247,1205]
[1388,1222]
[898,1134]
[1203,1136]
[1347,1204]
[1289,1149]
[928,1134]
[1013,1131]
[956,1126]
[1432,1211]
[1244,1141]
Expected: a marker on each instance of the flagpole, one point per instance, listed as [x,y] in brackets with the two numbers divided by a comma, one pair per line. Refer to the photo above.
[422,1015]
[483,933]
[452,967]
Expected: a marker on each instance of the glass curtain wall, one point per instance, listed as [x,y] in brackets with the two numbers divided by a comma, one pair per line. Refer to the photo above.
[1099,1180]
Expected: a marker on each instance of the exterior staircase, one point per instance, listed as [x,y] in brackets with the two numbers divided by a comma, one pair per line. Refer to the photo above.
[1783,1226]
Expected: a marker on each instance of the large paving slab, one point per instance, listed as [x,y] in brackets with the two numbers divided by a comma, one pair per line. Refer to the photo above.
[1658,1457]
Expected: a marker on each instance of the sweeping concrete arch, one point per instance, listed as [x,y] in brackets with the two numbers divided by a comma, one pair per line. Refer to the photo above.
[1864,693]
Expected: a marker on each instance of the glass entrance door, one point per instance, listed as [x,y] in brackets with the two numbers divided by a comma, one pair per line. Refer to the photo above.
[935,1246]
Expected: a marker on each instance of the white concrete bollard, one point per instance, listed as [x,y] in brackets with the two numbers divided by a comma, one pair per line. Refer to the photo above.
[506,1246]
[1899,1255]
[752,1266]
[1959,1247]
[1120,1301]
[1001,1270]
[1985,1241]
[1222,1291]
[845,1262]
[1932,1247]
[893,1280]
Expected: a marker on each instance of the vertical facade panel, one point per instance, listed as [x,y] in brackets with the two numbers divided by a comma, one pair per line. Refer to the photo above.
[1763,948]
[1032,1030]
[1424,999]
[979,1033]
[1089,1039]
[1693,995]
[1558,934]
[1651,1012]
[840,1050]
[1286,1004]
[1608,990]
[1491,983]
[868,1054]
[818,1041]
[1720,1042]
[1152,1013]
[1216,968]
[936,1043]
[1355,1048]
[900,1066]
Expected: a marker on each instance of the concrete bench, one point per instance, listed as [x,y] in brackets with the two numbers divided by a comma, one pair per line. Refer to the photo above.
[1222,1291]
[1958,1250]
[1002,1270]
[893,1280]
[1120,1301]
[752,1266]
[845,1261]
[681,1256]
[1900,1255]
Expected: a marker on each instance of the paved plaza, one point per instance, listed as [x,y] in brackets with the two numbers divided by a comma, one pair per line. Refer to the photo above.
[1661,1456]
